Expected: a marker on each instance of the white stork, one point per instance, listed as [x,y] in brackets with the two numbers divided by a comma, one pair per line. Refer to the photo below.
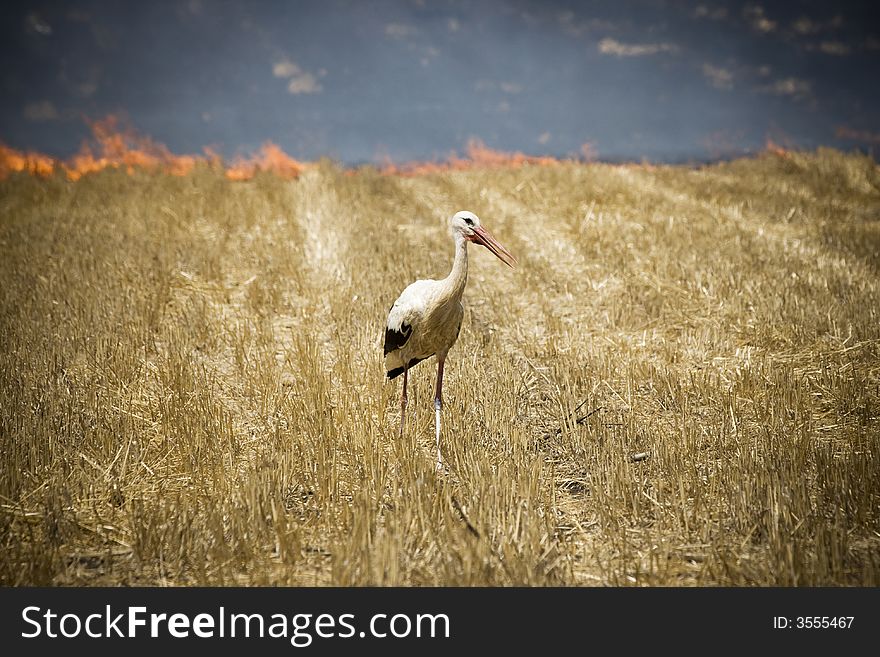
[426,318]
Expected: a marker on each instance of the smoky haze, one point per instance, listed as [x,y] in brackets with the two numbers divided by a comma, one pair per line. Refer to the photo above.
[370,82]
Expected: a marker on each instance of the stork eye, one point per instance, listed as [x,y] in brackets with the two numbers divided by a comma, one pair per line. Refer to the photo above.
[469,221]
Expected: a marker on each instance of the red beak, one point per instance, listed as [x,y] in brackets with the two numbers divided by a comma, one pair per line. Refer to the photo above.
[484,237]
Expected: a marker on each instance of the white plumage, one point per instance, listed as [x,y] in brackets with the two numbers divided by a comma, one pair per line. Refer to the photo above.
[434,318]
[426,318]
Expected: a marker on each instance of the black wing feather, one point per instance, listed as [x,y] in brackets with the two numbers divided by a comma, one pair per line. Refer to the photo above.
[397,371]
[395,339]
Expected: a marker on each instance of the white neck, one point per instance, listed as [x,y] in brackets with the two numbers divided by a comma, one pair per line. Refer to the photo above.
[455,282]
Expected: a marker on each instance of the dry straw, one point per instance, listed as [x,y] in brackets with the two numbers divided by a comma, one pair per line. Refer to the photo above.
[679,385]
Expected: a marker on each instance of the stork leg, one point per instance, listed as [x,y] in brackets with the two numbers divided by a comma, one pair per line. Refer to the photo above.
[438,404]
[403,404]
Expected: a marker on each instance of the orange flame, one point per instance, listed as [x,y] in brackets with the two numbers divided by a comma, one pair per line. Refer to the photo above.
[479,156]
[778,143]
[12,161]
[772,147]
[269,158]
[118,146]
[113,145]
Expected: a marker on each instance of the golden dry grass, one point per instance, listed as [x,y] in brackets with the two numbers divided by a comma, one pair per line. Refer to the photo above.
[192,388]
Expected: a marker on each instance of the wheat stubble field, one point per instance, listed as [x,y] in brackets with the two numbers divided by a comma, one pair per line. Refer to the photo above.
[679,385]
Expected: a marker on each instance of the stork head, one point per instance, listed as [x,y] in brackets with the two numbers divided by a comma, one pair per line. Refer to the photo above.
[467,225]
